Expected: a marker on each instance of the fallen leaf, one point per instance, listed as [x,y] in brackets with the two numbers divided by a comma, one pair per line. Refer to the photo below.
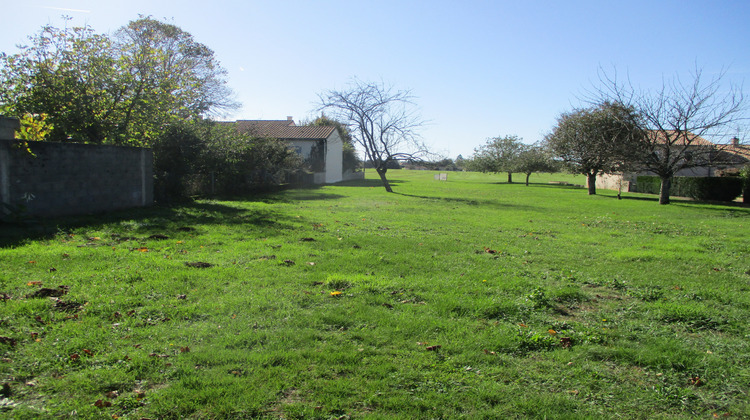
[34,283]
[185,349]
[566,342]
[88,352]
[523,325]
[74,356]
[288,263]
[52,269]
[551,331]
[111,394]
[102,404]
[433,348]
[39,319]
[335,293]
[32,262]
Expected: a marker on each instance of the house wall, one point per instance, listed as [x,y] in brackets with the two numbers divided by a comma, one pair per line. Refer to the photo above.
[616,182]
[69,179]
[334,158]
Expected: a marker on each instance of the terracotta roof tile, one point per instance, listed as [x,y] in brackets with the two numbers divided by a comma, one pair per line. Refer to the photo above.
[695,140]
[281,129]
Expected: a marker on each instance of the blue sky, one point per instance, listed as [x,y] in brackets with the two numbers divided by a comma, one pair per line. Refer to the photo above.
[479,69]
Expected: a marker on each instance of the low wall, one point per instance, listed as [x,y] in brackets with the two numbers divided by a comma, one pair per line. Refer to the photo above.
[69,179]
[352,176]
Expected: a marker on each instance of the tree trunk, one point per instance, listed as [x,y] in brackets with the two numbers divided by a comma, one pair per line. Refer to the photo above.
[510,177]
[666,184]
[386,184]
[592,183]
[527,178]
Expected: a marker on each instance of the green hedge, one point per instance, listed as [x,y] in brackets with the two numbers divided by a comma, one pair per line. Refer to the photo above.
[699,188]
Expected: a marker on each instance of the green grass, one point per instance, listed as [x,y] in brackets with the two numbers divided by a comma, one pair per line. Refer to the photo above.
[469,298]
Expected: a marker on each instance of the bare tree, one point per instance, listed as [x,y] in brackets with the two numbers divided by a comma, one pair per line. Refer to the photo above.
[382,121]
[683,125]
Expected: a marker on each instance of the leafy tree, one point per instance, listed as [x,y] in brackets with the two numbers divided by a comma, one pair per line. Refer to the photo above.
[676,119]
[68,74]
[173,77]
[460,163]
[382,121]
[596,140]
[124,89]
[351,161]
[534,158]
[499,154]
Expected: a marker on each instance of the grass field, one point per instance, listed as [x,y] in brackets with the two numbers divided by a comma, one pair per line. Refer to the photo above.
[468,298]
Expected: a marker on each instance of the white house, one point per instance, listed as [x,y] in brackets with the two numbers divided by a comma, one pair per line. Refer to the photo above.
[320,146]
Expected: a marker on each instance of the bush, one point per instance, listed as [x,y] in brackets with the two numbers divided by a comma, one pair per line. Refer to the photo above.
[745,177]
[648,184]
[204,158]
[699,188]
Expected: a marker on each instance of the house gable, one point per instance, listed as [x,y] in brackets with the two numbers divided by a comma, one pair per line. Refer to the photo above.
[306,140]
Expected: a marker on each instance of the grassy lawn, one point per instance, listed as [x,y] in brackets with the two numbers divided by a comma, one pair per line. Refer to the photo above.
[464,298]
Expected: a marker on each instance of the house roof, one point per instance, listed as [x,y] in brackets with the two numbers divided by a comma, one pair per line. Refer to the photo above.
[739,150]
[694,140]
[283,130]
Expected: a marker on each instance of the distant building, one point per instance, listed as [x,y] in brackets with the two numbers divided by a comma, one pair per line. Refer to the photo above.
[321,147]
[716,160]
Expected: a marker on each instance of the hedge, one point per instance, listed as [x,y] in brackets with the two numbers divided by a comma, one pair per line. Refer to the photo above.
[699,188]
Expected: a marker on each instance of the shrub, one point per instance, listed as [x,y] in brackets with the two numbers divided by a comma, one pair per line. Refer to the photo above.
[745,177]
[699,188]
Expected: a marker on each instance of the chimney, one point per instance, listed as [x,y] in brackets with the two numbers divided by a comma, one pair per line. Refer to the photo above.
[290,120]
[735,141]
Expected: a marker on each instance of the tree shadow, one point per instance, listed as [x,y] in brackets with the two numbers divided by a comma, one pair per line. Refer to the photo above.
[169,221]
[492,203]
[368,183]
[735,206]
[545,185]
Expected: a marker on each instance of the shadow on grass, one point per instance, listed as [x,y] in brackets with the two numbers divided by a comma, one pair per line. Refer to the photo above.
[734,207]
[564,186]
[156,220]
[369,183]
[494,203]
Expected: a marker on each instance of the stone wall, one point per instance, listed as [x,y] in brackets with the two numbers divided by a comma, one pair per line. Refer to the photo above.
[59,179]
